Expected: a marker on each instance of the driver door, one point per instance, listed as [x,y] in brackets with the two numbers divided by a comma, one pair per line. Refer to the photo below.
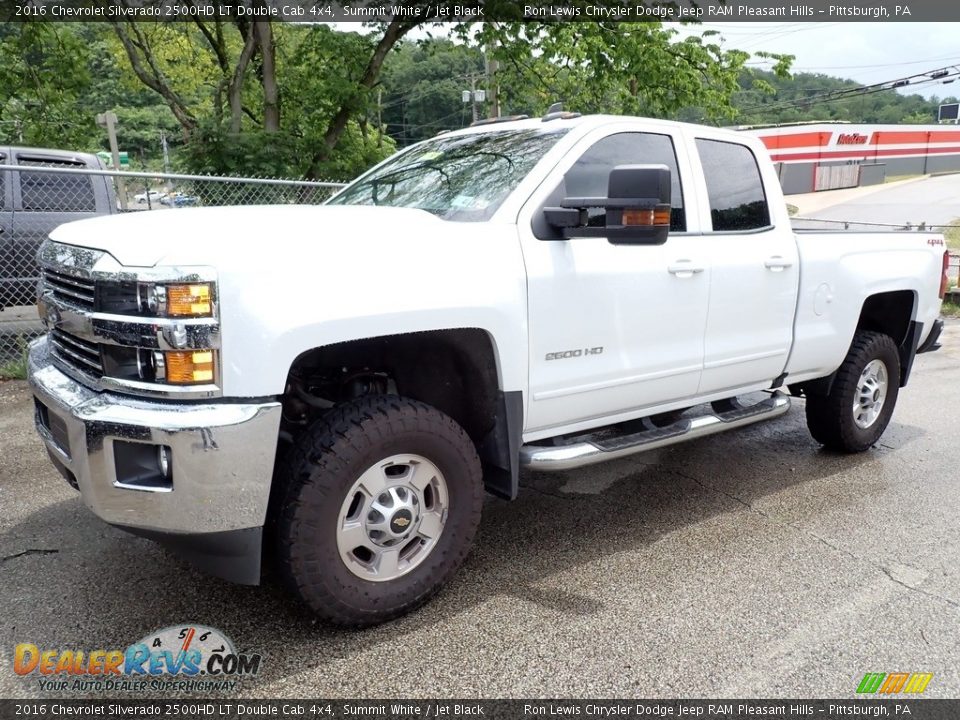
[614,329]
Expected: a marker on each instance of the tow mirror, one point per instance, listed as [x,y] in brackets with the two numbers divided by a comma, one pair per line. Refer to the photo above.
[637,208]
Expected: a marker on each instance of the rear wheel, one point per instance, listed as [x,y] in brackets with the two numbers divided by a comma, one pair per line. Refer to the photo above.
[853,416]
[380,505]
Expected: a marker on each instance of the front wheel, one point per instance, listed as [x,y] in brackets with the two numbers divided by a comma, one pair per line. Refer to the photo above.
[853,416]
[379,507]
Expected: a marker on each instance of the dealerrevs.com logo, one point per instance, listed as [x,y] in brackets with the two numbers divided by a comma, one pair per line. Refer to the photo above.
[187,657]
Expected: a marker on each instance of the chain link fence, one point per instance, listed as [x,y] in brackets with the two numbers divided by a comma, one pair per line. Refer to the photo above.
[36,197]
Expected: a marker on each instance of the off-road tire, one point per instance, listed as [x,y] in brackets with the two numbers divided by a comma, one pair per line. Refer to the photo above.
[830,417]
[320,470]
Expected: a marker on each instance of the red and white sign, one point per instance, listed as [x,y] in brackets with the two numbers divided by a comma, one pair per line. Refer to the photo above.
[852,139]
[864,143]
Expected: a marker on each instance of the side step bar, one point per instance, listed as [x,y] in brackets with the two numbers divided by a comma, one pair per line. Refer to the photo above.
[579,454]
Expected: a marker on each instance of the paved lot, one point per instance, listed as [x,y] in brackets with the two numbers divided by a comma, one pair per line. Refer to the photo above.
[745,564]
[932,200]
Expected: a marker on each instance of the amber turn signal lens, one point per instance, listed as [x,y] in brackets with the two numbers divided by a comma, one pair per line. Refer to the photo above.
[189,367]
[658,216]
[189,300]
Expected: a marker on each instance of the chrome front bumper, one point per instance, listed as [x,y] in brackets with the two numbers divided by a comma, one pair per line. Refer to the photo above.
[222,456]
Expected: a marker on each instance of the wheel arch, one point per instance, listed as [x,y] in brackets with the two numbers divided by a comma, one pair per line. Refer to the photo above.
[455,370]
[891,313]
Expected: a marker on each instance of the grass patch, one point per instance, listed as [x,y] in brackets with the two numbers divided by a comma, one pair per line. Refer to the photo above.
[15,368]
[950,309]
[952,234]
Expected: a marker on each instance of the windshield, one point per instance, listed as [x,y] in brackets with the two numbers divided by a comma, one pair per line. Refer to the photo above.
[465,177]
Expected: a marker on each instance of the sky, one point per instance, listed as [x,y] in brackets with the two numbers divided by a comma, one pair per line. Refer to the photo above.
[866,52]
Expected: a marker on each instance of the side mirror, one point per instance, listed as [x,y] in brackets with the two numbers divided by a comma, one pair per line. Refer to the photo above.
[637,208]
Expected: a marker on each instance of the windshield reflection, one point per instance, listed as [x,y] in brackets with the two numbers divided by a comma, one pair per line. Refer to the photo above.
[463,178]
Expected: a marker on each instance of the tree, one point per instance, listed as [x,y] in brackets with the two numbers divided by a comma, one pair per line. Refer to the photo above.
[59,76]
[616,67]
[809,96]
[612,67]
[228,95]
[422,85]
[44,72]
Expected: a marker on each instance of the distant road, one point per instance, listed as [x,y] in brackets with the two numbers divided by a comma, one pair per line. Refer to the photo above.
[934,200]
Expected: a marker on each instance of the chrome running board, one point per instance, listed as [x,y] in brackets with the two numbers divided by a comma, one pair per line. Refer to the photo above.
[590,451]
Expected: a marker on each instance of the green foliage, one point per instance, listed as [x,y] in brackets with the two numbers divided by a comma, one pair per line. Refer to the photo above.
[794,99]
[360,147]
[333,99]
[45,76]
[616,68]
[422,86]
[950,309]
[952,234]
[212,151]
[256,153]
[15,368]
[59,76]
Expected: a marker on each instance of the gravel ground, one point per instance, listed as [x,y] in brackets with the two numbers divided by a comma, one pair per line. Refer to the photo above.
[745,564]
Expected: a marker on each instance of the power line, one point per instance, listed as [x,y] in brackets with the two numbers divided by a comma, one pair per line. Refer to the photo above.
[881,65]
[939,75]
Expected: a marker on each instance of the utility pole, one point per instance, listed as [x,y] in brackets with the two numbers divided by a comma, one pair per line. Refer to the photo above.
[492,66]
[146,183]
[109,121]
[380,116]
[473,96]
[166,151]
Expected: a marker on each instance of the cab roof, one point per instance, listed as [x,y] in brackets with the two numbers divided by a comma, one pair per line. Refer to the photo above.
[582,122]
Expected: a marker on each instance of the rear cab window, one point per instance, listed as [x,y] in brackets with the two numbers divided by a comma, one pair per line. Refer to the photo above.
[54,192]
[738,202]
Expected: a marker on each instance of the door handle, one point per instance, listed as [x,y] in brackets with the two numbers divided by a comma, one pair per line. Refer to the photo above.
[684,269]
[777,263]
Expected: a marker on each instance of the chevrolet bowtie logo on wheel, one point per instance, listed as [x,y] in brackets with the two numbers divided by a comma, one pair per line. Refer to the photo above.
[401,521]
[890,684]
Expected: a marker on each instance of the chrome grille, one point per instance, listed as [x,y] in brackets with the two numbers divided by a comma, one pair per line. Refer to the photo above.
[70,289]
[77,353]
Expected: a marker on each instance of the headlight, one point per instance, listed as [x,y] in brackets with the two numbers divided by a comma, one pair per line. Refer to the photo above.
[184,367]
[192,300]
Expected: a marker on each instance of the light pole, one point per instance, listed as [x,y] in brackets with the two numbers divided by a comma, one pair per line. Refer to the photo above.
[474,96]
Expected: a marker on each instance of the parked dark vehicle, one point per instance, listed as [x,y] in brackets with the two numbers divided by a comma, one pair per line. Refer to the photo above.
[34,203]
[178,199]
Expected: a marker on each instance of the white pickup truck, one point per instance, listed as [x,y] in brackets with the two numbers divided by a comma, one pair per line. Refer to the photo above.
[334,387]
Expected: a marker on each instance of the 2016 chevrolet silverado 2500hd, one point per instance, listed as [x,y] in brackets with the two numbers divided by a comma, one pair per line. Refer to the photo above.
[335,386]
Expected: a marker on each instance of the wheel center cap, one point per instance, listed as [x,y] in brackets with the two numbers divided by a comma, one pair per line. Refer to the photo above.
[401,521]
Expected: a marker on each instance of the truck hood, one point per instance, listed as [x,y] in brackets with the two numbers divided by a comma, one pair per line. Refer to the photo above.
[226,237]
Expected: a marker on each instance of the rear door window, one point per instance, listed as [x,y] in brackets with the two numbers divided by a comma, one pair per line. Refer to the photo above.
[54,192]
[734,187]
